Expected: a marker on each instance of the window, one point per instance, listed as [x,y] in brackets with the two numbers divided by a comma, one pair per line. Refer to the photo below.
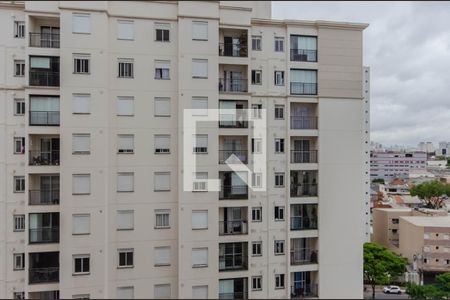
[200,292]
[200,104]
[125,30]
[81,184]
[19,29]
[279,145]
[81,224]
[162,69]
[256,248]
[81,143]
[19,184]
[256,145]
[199,219]
[162,256]
[19,261]
[162,181]
[19,107]
[199,68]
[81,23]
[257,283]
[279,112]
[200,143]
[256,111]
[162,218]
[81,296]
[125,220]
[126,68]
[125,106]
[162,143]
[279,44]
[81,63]
[162,31]
[19,145]
[162,107]
[81,264]
[279,213]
[199,31]
[125,258]
[125,292]
[279,180]
[279,247]
[199,257]
[256,42]
[303,82]
[257,214]
[81,103]
[303,48]
[19,295]
[279,281]
[257,180]
[19,223]
[256,76]
[125,143]
[125,182]
[200,183]
[279,77]
[19,68]
[162,291]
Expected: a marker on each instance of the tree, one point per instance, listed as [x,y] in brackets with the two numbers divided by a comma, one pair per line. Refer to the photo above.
[431,192]
[378,180]
[438,290]
[381,265]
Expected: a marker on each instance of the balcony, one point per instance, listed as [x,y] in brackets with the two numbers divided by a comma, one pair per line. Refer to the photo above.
[44,267]
[303,88]
[304,285]
[44,158]
[44,71]
[304,216]
[233,256]
[44,118]
[233,42]
[229,192]
[48,295]
[233,145]
[44,150]
[303,251]
[233,49]
[233,114]
[303,116]
[44,78]
[304,184]
[233,85]
[303,157]
[303,122]
[44,228]
[234,288]
[304,55]
[44,40]
[44,197]
[241,156]
[233,221]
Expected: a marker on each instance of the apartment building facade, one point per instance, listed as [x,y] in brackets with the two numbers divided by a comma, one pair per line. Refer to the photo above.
[92,199]
[391,165]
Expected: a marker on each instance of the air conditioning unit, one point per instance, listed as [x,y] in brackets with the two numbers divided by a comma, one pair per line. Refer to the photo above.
[200,186]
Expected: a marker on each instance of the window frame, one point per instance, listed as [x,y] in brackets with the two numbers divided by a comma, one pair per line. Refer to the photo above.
[202,23]
[19,29]
[161,99]
[276,77]
[124,212]
[125,151]
[195,266]
[19,220]
[83,65]
[21,140]
[256,209]
[279,145]
[279,245]
[279,209]
[257,283]
[21,64]
[81,175]
[199,61]
[126,252]
[73,221]
[162,213]
[81,257]
[281,42]
[258,245]
[84,15]
[256,46]
[255,75]
[277,109]
[277,177]
[19,106]
[21,184]
[158,189]
[81,95]
[122,21]
[130,189]
[166,264]
[21,265]
[85,152]
[163,30]
[159,151]
[125,114]
[280,281]
[125,68]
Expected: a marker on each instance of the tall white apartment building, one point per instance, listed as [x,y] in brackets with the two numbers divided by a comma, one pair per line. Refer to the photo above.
[444,149]
[390,165]
[93,98]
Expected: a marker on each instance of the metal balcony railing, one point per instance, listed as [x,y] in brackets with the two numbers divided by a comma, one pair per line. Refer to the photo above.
[232,85]
[303,122]
[234,295]
[44,158]
[44,40]
[303,88]
[303,290]
[304,190]
[44,118]
[303,256]
[44,235]
[233,227]
[303,223]
[303,157]
[233,49]
[233,262]
[225,154]
[43,275]
[44,197]
[233,192]
[303,55]
[44,78]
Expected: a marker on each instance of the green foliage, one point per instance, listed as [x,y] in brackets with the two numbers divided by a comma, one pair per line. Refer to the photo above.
[381,265]
[378,180]
[431,192]
[439,290]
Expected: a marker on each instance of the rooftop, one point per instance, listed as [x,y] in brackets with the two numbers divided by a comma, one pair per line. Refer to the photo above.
[428,221]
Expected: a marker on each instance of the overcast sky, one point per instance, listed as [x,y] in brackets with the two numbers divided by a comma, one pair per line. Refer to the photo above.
[407,46]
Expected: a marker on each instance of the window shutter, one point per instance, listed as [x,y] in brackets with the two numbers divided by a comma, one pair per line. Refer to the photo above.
[201,105]
[200,257]
[162,106]
[162,291]
[125,219]
[125,182]
[81,224]
[162,255]
[162,143]
[162,64]
[81,23]
[125,30]
[125,106]
[199,68]
[125,292]
[81,103]
[201,140]
[199,30]
[125,142]
[81,184]
[199,219]
[81,143]
[40,62]
[162,182]
[200,292]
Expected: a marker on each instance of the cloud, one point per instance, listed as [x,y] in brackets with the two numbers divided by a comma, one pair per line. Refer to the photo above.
[407,46]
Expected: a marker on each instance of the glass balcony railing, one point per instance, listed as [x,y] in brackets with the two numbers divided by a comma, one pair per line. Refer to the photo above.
[44,118]
[44,197]
[44,78]
[44,235]
[303,223]
[224,155]
[44,40]
[233,192]
[232,85]
[44,158]
[303,55]
[303,157]
[303,88]
[303,122]
[304,190]
[233,49]
[233,227]
[43,275]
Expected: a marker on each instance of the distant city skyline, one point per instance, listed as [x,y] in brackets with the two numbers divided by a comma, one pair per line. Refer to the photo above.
[409,81]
